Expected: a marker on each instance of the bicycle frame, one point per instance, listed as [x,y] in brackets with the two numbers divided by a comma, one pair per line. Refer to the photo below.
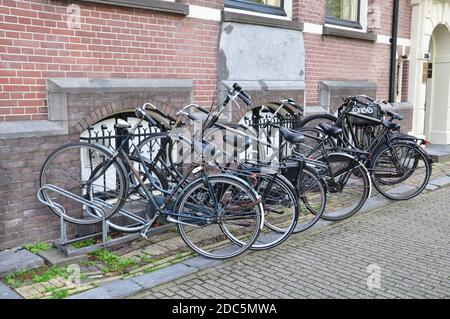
[158,205]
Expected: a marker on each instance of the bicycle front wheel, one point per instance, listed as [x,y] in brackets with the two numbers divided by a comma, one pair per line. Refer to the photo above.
[84,171]
[213,211]
[400,171]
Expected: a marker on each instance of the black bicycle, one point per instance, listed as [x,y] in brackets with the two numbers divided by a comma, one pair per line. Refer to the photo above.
[218,215]
[171,152]
[400,168]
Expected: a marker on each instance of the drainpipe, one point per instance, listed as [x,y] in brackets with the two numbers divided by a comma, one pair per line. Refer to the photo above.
[393,51]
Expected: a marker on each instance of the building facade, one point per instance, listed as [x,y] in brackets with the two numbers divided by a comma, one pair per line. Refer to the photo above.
[66,66]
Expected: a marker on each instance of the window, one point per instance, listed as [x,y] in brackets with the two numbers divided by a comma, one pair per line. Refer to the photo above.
[344,13]
[262,6]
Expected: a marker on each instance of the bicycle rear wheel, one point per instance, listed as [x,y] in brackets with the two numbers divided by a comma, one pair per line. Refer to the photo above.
[315,144]
[280,210]
[214,211]
[314,120]
[312,192]
[348,184]
[85,171]
[400,171]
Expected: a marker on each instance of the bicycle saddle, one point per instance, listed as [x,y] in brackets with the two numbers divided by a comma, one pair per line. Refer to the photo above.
[390,125]
[292,136]
[333,131]
[395,116]
[238,141]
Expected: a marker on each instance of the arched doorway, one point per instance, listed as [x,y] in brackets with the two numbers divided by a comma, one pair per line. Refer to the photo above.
[437,106]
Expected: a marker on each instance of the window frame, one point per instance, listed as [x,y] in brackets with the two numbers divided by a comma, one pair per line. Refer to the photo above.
[345,23]
[257,7]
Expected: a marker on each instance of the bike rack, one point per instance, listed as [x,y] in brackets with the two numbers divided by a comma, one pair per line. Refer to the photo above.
[97,206]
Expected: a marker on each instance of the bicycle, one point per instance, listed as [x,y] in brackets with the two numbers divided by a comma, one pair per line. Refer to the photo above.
[308,185]
[279,197]
[399,167]
[218,216]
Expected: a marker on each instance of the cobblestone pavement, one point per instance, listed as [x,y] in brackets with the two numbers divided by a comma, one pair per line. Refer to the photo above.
[408,242]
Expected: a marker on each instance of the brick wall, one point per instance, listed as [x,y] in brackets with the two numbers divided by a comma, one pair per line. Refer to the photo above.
[342,59]
[350,60]
[35,43]
[113,42]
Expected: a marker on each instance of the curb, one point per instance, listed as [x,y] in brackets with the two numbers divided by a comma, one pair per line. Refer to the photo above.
[127,287]
[8,293]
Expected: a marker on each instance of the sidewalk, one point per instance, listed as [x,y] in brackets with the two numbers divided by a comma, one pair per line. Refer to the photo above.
[408,242]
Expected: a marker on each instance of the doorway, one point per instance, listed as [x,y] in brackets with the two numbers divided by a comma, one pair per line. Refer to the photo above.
[437,126]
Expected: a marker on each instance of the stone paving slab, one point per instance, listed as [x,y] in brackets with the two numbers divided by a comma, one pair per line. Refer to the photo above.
[201,262]
[163,275]
[55,257]
[441,181]
[114,290]
[18,259]
[8,293]
[439,153]
[123,288]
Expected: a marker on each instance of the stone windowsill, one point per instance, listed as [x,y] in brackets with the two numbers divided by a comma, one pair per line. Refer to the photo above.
[85,85]
[228,16]
[365,36]
[154,5]
[21,129]
[347,84]
[58,88]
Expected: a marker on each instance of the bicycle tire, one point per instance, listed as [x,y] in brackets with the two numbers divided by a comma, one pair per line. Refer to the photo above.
[73,157]
[198,196]
[137,199]
[315,119]
[310,182]
[382,178]
[279,198]
[344,198]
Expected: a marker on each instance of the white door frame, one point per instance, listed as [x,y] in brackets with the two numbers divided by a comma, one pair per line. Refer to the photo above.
[426,16]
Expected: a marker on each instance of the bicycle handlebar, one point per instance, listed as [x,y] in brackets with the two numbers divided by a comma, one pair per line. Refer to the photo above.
[242,95]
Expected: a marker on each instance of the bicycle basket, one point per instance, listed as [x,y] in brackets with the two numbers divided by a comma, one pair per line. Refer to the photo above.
[367,108]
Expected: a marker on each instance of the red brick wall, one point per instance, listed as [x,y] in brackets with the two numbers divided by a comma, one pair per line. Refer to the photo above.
[342,59]
[113,42]
[405,12]
[309,11]
[215,4]
[334,58]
